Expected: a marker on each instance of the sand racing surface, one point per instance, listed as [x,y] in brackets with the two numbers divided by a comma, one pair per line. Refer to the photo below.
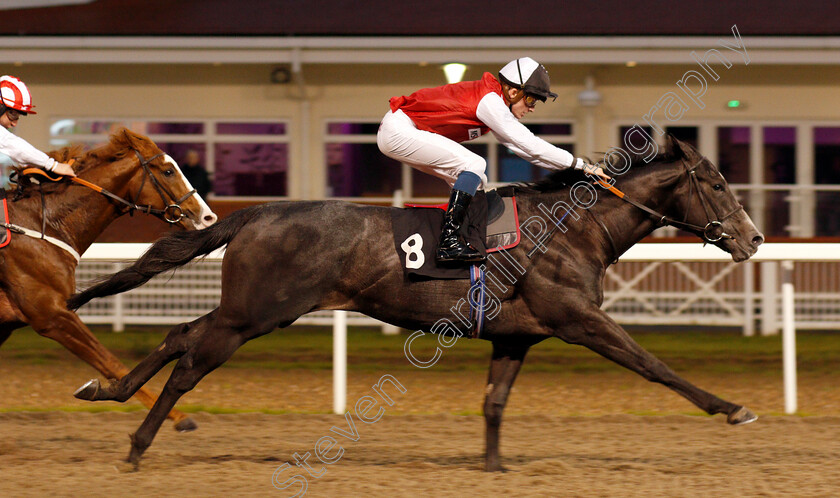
[581,428]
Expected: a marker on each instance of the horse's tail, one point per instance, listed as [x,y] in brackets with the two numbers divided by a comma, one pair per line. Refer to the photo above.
[171,251]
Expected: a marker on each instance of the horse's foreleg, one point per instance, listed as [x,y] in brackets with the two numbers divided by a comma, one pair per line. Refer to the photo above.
[65,327]
[601,334]
[504,366]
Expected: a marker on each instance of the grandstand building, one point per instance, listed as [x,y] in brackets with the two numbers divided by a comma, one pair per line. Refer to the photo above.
[282,99]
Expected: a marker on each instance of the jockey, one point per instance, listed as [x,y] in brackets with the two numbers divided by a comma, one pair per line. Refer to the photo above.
[16,101]
[425,128]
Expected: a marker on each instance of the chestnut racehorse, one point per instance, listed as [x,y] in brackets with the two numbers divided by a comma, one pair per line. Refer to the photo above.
[37,275]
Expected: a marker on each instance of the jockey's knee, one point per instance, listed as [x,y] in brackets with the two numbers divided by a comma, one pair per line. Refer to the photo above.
[478,167]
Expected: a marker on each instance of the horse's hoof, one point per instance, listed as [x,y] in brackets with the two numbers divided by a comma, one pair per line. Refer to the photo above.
[741,416]
[88,391]
[494,467]
[186,425]
[131,464]
[136,452]
[126,467]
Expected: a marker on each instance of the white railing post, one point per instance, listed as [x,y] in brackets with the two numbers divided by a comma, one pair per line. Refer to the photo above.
[769,298]
[749,300]
[339,361]
[788,337]
[119,311]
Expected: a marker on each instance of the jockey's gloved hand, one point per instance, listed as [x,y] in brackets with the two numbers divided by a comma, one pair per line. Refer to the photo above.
[595,170]
[63,169]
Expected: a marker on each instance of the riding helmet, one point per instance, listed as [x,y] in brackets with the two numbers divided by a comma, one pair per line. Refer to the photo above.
[15,95]
[529,75]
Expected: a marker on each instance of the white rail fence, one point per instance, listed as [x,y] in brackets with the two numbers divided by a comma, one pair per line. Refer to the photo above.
[664,284]
[655,284]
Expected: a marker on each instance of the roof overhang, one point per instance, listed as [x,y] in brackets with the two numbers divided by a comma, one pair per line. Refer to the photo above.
[406,50]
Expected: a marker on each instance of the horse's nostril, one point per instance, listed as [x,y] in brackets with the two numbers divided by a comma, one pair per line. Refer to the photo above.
[210,218]
[758,240]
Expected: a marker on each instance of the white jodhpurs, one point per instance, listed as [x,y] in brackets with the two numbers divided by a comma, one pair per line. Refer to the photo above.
[399,139]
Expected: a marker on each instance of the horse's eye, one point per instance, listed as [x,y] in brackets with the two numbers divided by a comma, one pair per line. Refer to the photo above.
[169,172]
[718,187]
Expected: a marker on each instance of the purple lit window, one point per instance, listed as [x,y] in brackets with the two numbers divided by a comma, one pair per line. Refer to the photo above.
[352,128]
[251,169]
[164,128]
[827,171]
[734,153]
[251,128]
[360,170]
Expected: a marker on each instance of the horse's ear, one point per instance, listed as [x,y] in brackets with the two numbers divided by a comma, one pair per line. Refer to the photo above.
[677,148]
[129,137]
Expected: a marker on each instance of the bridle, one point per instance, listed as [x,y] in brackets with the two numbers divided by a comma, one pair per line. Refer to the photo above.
[173,208]
[714,220]
[171,213]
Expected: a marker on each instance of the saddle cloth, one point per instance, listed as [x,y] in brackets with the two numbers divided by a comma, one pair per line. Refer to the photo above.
[491,224]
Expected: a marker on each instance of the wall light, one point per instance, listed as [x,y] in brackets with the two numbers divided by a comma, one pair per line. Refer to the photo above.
[454,71]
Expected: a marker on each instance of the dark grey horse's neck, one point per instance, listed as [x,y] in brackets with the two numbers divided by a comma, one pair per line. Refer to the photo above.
[614,225]
[657,186]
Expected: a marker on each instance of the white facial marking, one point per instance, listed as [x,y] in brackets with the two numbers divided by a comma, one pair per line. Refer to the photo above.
[206,217]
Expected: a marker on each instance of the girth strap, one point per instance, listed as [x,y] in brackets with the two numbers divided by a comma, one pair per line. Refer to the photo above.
[38,235]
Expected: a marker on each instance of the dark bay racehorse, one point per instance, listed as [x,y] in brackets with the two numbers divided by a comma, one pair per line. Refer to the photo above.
[287,259]
[37,276]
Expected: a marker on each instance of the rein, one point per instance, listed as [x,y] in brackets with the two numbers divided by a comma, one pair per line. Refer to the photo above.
[706,232]
[172,213]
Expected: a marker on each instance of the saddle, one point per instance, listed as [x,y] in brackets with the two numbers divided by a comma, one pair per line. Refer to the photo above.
[31,176]
[491,225]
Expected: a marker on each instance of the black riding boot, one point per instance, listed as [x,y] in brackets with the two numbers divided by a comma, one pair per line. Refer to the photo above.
[452,246]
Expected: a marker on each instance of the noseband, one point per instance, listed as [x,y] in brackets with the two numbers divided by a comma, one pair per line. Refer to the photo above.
[172,213]
[714,221]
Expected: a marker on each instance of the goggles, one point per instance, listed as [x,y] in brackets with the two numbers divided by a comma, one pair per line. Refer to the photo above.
[530,100]
[14,114]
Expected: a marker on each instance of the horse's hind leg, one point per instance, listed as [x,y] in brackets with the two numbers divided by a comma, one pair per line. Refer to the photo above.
[211,349]
[601,334]
[176,343]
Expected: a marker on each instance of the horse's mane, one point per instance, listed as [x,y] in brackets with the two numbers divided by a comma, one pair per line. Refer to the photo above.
[119,144]
[563,179]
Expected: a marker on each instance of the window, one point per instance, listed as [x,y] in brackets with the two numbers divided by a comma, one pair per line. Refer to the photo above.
[355,166]
[687,134]
[779,168]
[827,172]
[637,140]
[512,168]
[244,158]
[734,153]
[249,161]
